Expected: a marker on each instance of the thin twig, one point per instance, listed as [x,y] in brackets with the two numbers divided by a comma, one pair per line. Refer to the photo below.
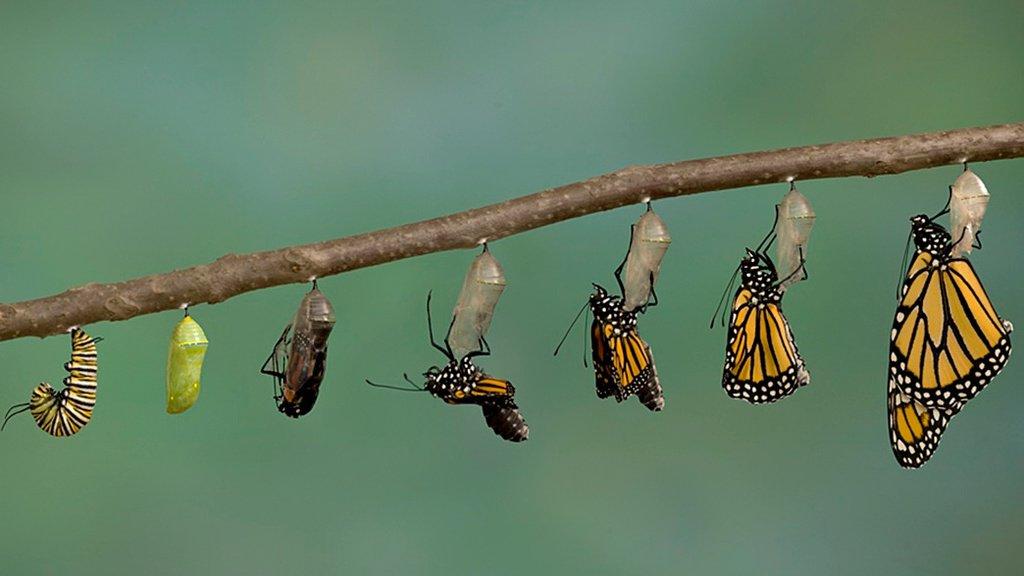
[235,274]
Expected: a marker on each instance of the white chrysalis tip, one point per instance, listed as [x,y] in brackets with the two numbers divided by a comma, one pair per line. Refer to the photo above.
[790,179]
[72,328]
[645,199]
[183,306]
[962,160]
[311,279]
[481,242]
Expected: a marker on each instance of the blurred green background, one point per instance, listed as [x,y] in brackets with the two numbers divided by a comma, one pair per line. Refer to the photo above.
[136,138]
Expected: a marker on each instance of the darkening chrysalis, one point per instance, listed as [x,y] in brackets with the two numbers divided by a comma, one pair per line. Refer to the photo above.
[794,222]
[481,289]
[66,411]
[299,359]
[968,200]
[185,364]
[649,240]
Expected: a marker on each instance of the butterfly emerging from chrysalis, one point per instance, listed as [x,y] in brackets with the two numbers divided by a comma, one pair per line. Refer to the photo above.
[66,411]
[762,362]
[298,361]
[947,341]
[623,361]
[461,381]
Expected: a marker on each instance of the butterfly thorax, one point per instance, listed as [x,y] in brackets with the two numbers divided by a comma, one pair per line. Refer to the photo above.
[608,311]
[930,237]
[454,380]
[758,275]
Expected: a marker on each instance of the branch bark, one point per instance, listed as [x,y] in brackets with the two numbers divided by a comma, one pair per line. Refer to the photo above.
[235,274]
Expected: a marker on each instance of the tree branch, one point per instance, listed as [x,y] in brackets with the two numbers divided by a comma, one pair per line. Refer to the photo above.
[235,274]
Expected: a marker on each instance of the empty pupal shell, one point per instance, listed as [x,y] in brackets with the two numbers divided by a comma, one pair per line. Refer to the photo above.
[795,220]
[185,365]
[967,203]
[481,289]
[649,242]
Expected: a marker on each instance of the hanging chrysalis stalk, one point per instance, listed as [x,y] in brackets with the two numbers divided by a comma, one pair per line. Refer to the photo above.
[299,359]
[795,220]
[968,199]
[481,289]
[648,243]
[185,364]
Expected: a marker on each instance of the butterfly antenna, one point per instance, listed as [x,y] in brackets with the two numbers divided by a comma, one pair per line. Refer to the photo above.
[721,301]
[584,348]
[414,388]
[578,314]
[903,265]
[11,413]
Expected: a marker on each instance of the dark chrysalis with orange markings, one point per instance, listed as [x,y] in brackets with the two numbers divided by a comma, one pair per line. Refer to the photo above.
[299,359]
[65,412]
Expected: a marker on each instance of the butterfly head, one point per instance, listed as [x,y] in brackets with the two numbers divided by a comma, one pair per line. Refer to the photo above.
[757,273]
[607,309]
[929,236]
[455,375]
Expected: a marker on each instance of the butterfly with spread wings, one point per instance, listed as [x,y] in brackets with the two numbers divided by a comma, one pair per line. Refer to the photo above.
[623,363]
[947,343]
[762,363]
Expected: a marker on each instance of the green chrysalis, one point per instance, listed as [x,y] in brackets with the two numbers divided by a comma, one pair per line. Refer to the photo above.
[185,365]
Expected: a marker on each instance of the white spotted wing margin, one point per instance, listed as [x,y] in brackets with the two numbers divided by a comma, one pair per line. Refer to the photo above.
[914,429]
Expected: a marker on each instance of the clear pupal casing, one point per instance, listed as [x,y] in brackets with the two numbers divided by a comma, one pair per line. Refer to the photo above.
[481,289]
[968,200]
[650,240]
[795,221]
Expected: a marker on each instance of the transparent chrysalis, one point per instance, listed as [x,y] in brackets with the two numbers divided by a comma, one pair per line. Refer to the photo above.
[185,364]
[298,361]
[649,241]
[968,199]
[481,289]
[793,229]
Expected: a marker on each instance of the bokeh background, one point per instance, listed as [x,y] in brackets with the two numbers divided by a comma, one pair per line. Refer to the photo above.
[137,138]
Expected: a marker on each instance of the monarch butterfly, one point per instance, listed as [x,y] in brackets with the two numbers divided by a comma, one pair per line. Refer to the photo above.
[947,340]
[762,363]
[968,199]
[299,360]
[461,381]
[649,240]
[623,362]
[65,412]
[795,221]
[481,289]
[185,364]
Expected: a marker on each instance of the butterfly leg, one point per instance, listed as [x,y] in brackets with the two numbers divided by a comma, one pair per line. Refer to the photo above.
[618,271]
[430,330]
[654,296]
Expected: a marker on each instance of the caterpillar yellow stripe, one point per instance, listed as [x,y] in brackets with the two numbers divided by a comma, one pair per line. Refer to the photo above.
[185,365]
